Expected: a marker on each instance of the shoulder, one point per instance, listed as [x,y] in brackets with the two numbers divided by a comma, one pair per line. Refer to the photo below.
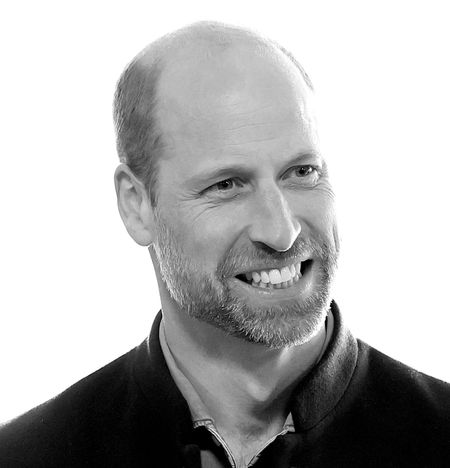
[399,409]
[66,425]
[128,413]
[388,415]
[389,377]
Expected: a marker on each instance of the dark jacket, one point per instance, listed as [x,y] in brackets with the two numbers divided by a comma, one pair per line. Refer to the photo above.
[357,408]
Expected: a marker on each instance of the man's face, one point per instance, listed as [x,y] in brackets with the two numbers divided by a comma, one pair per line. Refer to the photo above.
[246,235]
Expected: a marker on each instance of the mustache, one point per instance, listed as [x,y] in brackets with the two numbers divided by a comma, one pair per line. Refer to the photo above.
[244,258]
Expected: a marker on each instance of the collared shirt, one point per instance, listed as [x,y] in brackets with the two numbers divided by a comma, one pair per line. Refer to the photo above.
[213,446]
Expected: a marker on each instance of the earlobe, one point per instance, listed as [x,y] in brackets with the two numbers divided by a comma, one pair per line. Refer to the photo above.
[134,205]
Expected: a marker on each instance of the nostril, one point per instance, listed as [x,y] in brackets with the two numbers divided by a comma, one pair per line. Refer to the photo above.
[277,234]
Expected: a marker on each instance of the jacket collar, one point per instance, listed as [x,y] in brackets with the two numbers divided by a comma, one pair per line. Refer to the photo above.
[313,398]
[320,391]
[169,410]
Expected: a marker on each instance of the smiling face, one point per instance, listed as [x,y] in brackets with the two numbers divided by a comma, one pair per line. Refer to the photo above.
[245,227]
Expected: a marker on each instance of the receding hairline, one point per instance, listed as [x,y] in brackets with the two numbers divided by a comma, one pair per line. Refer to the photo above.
[139,133]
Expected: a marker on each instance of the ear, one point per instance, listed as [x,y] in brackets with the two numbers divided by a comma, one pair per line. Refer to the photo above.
[134,205]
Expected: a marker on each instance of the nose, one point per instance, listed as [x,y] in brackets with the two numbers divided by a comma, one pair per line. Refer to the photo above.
[272,221]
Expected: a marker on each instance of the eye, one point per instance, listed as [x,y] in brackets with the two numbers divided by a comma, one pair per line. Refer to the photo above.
[305,175]
[302,171]
[224,185]
[227,188]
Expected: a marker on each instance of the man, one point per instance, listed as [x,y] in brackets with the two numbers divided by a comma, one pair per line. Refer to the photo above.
[249,363]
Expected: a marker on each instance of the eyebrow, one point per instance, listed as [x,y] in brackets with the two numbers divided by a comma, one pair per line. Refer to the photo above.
[225,172]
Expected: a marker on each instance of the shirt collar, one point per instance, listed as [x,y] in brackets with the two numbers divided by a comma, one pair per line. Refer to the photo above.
[197,407]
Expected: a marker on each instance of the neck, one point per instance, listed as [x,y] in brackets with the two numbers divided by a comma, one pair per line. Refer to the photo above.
[253,381]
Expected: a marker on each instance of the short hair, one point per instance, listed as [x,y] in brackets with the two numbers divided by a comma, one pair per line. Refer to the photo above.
[140,139]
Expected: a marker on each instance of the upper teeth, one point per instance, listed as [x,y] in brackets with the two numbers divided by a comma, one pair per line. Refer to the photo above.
[275,276]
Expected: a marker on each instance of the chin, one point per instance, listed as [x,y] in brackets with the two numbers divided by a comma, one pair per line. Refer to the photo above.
[277,318]
[276,326]
[281,326]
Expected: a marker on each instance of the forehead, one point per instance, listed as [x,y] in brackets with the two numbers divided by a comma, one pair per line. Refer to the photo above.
[236,104]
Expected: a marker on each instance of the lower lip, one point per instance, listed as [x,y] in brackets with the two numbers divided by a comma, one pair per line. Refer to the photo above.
[298,289]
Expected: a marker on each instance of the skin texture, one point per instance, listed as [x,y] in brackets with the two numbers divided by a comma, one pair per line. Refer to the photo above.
[241,186]
[253,123]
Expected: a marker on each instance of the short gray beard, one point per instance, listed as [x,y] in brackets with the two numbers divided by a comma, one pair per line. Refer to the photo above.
[209,299]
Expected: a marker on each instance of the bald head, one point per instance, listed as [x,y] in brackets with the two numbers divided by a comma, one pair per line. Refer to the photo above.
[194,69]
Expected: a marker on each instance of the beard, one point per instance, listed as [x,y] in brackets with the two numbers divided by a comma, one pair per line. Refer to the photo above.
[209,298]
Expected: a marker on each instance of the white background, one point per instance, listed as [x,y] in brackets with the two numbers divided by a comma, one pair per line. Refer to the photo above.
[76,292]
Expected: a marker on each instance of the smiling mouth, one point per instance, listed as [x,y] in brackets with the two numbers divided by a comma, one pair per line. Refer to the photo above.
[276,278]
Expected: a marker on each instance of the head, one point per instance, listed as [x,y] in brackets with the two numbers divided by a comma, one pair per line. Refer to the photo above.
[224,179]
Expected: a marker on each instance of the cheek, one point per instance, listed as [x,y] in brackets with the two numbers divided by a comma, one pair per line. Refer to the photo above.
[209,238]
[317,211]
